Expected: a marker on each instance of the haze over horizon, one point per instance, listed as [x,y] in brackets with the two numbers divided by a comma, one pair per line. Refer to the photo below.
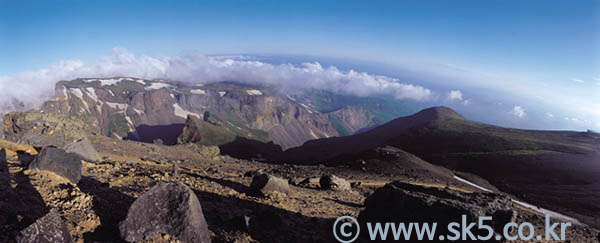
[531,64]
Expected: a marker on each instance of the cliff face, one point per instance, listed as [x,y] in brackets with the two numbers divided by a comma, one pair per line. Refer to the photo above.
[118,107]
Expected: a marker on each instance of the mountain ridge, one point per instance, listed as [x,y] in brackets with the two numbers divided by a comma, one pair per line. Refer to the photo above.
[119,105]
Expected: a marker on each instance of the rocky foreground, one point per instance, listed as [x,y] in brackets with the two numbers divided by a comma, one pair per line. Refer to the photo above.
[106,190]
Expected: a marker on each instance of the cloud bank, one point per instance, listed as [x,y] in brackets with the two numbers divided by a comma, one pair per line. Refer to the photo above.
[29,89]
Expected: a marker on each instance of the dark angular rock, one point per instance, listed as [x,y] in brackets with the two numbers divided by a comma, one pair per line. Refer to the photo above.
[401,202]
[60,162]
[197,130]
[265,183]
[83,148]
[166,208]
[333,182]
[47,229]
[313,182]
[254,173]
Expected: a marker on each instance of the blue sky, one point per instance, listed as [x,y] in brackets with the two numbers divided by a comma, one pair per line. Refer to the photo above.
[545,47]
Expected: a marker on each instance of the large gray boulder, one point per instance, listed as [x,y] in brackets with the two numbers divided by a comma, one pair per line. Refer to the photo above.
[47,229]
[170,208]
[60,162]
[263,184]
[401,202]
[84,148]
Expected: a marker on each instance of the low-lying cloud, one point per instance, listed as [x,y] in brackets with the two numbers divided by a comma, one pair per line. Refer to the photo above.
[455,95]
[28,89]
[518,111]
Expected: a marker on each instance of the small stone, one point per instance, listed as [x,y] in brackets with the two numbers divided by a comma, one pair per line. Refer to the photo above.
[175,170]
[264,183]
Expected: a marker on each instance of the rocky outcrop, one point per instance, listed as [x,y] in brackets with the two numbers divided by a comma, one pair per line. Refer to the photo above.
[403,202]
[58,161]
[170,208]
[84,148]
[48,229]
[42,129]
[263,184]
[332,182]
[203,132]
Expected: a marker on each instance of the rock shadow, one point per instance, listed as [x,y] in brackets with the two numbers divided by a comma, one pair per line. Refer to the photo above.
[249,149]
[238,187]
[265,223]
[19,206]
[110,205]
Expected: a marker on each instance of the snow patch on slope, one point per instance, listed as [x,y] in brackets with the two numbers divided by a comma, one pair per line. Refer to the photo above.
[471,184]
[76,92]
[91,92]
[129,123]
[540,210]
[197,91]
[158,85]
[139,112]
[180,112]
[117,106]
[104,82]
[254,92]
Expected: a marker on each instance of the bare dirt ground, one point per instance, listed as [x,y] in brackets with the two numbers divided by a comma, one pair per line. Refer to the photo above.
[93,208]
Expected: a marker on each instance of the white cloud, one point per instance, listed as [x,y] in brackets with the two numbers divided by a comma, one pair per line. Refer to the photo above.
[549,115]
[466,102]
[518,111]
[597,79]
[28,89]
[577,80]
[578,120]
[455,95]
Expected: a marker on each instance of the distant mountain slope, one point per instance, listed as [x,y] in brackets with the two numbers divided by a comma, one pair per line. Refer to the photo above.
[442,130]
[315,151]
[125,107]
[559,170]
